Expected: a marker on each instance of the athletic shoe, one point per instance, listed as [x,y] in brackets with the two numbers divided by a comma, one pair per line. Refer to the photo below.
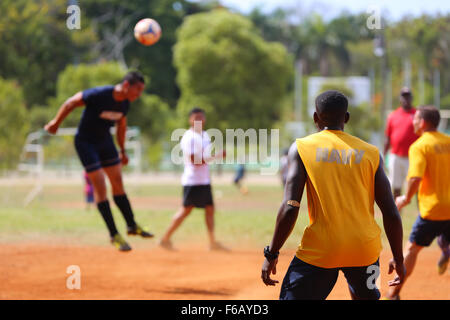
[443,263]
[139,231]
[166,244]
[217,246]
[120,243]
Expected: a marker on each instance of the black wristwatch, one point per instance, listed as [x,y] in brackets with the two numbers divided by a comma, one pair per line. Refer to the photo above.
[270,256]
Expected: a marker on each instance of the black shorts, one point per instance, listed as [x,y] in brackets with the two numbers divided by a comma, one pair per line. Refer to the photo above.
[424,231]
[307,282]
[197,196]
[95,155]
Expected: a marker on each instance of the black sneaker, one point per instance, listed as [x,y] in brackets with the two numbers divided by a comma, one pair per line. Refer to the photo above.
[138,231]
[120,243]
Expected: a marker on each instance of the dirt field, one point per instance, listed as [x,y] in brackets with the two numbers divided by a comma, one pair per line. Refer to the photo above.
[38,271]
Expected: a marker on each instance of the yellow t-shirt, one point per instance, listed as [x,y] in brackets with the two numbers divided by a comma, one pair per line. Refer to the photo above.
[429,159]
[342,231]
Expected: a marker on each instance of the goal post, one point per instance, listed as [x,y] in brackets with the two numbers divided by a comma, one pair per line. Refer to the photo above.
[34,162]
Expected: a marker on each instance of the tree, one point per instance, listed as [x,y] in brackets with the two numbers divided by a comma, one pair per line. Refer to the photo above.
[35,44]
[362,121]
[113,22]
[13,123]
[225,67]
[78,78]
[150,113]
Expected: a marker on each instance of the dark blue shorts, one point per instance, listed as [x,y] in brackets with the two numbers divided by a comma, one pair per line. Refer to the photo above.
[424,231]
[95,155]
[307,282]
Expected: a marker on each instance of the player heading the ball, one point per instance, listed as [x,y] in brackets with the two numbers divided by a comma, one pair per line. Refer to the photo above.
[105,106]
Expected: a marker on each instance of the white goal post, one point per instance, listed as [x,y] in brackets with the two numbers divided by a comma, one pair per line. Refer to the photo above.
[32,159]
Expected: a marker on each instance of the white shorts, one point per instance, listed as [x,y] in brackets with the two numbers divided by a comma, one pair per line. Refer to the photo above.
[398,170]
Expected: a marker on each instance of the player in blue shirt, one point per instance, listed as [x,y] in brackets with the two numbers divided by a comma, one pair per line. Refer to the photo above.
[105,106]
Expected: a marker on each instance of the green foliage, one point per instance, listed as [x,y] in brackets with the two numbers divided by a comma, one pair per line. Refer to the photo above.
[13,123]
[225,67]
[39,116]
[76,78]
[445,102]
[362,121]
[114,21]
[338,86]
[80,77]
[151,114]
[35,44]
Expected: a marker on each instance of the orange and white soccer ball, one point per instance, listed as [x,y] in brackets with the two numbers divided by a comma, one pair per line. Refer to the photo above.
[147,31]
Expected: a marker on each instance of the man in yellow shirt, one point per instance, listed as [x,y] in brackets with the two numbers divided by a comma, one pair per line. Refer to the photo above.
[429,174]
[344,176]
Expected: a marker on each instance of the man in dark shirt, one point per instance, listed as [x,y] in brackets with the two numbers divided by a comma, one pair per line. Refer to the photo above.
[105,106]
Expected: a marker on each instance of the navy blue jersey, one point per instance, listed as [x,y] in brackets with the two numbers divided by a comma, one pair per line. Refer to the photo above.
[101,113]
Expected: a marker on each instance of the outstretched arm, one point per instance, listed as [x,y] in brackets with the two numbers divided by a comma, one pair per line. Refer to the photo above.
[287,214]
[391,221]
[66,108]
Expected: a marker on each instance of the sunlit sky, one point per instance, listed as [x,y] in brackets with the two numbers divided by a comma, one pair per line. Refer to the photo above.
[395,9]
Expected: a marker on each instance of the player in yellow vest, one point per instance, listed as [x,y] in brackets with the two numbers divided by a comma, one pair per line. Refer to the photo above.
[343,176]
[429,174]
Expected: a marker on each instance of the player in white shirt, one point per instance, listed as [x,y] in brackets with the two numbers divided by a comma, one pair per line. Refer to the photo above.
[196,182]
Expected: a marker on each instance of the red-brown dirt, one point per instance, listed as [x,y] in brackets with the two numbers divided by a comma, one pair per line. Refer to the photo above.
[38,271]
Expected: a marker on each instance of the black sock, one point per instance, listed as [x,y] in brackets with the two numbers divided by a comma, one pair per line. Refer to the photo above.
[105,210]
[125,207]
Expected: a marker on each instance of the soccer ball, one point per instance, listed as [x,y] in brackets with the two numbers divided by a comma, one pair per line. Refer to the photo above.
[147,31]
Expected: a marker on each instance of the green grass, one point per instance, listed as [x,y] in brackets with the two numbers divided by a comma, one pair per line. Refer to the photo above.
[59,216]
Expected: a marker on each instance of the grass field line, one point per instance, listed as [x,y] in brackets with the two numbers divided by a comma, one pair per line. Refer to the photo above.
[159,178]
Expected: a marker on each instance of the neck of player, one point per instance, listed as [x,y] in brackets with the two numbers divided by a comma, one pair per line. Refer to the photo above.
[333,128]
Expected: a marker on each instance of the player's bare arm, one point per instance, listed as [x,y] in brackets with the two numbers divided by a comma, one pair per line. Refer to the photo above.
[287,214]
[392,223]
[121,131]
[66,108]
[411,190]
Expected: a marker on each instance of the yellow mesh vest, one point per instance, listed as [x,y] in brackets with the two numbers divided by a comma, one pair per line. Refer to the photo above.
[340,188]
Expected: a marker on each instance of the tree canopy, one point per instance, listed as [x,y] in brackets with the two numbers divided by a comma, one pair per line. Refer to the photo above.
[227,68]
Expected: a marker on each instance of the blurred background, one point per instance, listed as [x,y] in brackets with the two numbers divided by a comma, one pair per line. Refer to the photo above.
[249,64]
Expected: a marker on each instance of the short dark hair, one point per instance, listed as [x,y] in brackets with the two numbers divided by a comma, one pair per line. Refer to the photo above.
[331,106]
[133,77]
[430,114]
[196,110]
